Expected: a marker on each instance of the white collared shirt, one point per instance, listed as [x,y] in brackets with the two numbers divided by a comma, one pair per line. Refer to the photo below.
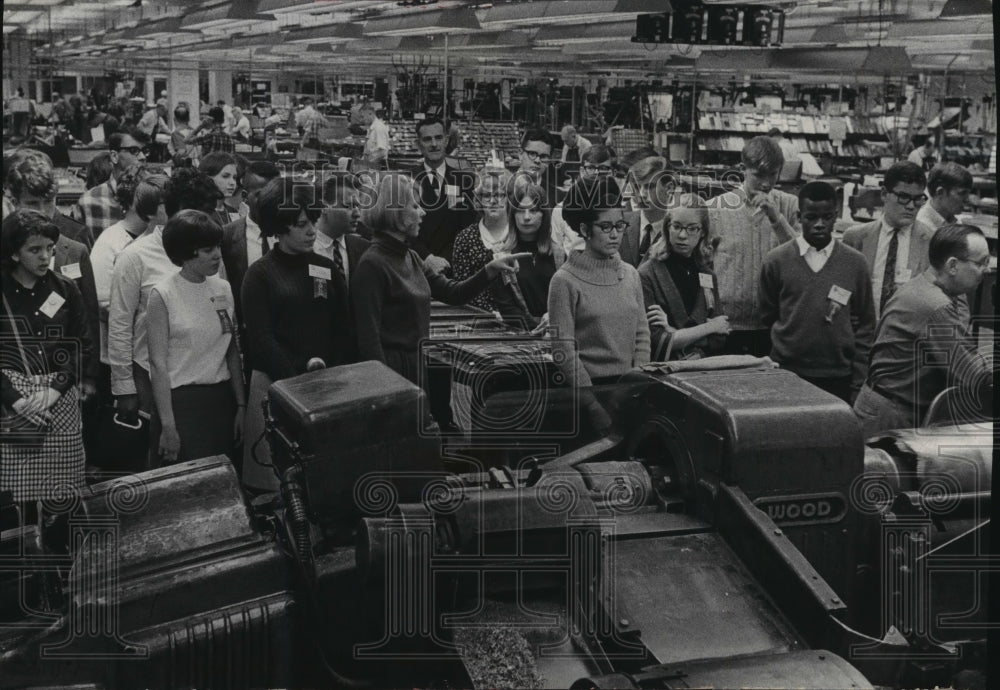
[657,228]
[325,246]
[487,238]
[816,258]
[436,175]
[928,215]
[882,253]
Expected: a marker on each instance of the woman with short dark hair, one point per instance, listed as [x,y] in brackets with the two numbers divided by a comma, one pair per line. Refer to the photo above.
[595,298]
[294,305]
[193,355]
[44,340]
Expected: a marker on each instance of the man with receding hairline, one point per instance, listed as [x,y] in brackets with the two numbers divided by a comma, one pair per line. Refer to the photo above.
[922,342]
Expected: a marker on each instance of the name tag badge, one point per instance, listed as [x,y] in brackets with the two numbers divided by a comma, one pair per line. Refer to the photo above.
[706,280]
[71,271]
[839,295]
[903,275]
[52,304]
[320,272]
[226,321]
[221,301]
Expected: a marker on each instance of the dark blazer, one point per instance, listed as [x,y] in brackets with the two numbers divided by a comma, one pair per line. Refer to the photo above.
[442,223]
[356,246]
[864,238]
[628,250]
[74,230]
[70,256]
[234,257]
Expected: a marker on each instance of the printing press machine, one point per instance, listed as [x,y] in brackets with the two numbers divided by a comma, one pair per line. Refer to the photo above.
[735,530]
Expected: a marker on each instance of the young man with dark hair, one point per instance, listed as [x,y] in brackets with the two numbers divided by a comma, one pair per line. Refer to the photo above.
[654,187]
[744,225]
[211,135]
[446,195]
[97,208]
[922,342]
[949,185]
[815,294]
[896,244]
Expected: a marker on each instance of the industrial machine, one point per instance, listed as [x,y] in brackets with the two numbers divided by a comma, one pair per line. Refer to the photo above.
[735,531]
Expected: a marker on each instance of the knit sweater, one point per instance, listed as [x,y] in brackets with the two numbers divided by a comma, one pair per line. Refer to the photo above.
[795,301]
[596,306]
[391,297]
[287,323]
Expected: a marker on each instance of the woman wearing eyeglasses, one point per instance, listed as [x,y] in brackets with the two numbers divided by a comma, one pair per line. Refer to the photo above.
[679,288]
[481,242]
[595,299]
[595,163]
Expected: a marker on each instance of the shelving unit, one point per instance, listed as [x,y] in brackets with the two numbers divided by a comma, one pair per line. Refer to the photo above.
[722,133]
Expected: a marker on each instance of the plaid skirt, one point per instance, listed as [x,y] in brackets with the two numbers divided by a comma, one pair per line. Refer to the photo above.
[54,470]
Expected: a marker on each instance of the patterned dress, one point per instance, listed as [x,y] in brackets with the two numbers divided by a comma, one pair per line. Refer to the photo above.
[469,256]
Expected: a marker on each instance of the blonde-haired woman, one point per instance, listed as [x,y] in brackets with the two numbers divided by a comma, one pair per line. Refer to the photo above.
[679,288]
[391,290]
[484,240]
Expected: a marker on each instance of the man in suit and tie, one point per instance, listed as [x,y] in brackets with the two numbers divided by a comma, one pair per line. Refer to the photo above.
[653,186]
[446,195]
[337,235]
[896,244]
[242,240]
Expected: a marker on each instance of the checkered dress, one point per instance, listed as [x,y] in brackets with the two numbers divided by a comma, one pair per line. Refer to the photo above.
[51,471]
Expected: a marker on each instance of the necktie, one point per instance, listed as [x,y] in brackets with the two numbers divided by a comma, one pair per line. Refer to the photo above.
[889,276]
[338,258]
[647,239]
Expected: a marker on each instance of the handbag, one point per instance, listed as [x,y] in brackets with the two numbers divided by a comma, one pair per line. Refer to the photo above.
[16,429]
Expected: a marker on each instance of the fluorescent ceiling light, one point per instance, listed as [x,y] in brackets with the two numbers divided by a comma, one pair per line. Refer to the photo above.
[513,16]
[966,8]
[224,15]
[331,33]
[560,35]
[981,28]
[421,22]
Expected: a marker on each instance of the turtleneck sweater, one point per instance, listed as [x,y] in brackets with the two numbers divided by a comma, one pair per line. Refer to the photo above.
[289,321]
[391,295]
[597,308]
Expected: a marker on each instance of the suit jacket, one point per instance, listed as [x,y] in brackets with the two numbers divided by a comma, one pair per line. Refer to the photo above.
[74,230]
[73,261]
[234,257]
[356,246]
[629,247]
[864,238]
[442,221]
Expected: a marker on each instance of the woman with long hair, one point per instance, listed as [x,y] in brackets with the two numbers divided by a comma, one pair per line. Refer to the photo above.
[194,359]
[679,287]
[525,295]
[44,340]
[223,169]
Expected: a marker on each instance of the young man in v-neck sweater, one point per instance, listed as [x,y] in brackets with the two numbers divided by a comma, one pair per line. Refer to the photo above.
[816,296]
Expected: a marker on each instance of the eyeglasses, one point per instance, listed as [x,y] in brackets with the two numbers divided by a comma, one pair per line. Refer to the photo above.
[603,169]
[982,264]
[494,197]
[134,150]
[606,227]
[537,156]
[693,229]
[906,199]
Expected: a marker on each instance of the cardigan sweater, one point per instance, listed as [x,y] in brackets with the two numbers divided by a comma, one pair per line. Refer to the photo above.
[289,320]
[795,303]
[659,286]
[391,296]
[597,309]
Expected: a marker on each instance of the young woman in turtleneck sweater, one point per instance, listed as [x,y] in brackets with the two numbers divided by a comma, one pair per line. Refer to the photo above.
[526,296]
[295,307]
[682,311]
[391,290]
[595,299]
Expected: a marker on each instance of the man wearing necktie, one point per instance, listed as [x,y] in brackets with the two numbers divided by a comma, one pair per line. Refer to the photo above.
[337,235]
[445,196]
[896,244]
[653,185]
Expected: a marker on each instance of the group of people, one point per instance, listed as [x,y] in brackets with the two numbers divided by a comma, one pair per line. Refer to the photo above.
[179,299]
